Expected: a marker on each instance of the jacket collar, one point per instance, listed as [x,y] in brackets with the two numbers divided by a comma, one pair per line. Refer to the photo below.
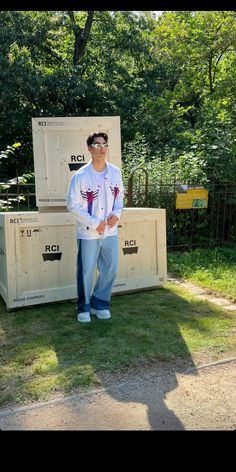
[108,170]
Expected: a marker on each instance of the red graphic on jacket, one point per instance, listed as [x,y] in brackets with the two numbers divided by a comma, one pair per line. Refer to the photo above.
[90,196]
[115,192]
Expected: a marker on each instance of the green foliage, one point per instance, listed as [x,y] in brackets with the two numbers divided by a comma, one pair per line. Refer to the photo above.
[214,142]
[12,161]
[171,80]
[213,268]
[164,173]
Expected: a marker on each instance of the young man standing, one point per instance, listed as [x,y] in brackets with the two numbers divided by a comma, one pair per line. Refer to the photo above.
[95,196]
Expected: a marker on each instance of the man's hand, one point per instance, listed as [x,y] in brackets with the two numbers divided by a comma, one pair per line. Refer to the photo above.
[112,220]
[101,227]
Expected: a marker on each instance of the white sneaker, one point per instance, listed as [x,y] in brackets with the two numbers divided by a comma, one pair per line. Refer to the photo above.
[84,317]
[101,314]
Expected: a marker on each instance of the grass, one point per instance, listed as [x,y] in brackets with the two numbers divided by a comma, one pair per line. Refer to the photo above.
[45,352]
[213,269]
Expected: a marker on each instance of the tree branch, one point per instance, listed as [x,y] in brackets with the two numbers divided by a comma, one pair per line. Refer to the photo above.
[210,74]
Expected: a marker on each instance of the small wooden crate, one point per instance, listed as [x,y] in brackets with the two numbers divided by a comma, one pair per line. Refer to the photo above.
[38,258]
[142,249]
[60,148]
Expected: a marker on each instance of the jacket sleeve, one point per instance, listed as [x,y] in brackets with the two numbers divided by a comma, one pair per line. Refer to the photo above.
[75,205]
[119,201]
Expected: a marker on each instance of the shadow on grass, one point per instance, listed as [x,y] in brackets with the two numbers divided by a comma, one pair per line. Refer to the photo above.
[45,352]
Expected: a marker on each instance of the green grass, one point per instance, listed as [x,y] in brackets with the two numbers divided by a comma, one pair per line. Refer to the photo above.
[213,269]
[44,350]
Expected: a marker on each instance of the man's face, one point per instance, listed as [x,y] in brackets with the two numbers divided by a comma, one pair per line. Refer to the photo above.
[98,152]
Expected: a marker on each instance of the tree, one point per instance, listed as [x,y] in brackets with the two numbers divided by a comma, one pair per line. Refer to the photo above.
[81,35]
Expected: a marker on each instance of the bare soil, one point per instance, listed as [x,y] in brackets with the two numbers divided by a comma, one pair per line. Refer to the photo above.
[157,396]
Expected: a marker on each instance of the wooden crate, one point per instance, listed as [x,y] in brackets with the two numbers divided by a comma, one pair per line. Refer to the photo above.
[60,148]
[37,258]
[142,249]
[38,254]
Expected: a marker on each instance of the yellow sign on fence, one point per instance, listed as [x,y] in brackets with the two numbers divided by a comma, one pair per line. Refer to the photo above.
[191,197]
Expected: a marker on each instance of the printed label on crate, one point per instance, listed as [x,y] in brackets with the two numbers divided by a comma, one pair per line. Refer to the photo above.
[23,220]
[130,247]
[54,200]
[119,285]
[52,253]
[50,123]
[76,162]
[30,297]
[28,232]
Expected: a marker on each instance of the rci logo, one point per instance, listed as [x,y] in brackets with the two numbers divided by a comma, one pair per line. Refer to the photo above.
[52,253]
[78,158]
[130,247]
[76,162]
[131,242]
[42,123]
[15,220]
[53,248]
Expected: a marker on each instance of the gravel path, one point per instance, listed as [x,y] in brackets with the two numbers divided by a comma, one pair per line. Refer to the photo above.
[160,397]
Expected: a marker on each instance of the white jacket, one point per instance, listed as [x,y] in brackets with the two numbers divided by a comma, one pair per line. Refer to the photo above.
[83,200]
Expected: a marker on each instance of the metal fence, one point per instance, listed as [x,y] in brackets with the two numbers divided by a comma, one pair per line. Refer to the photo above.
[186,229]
[199,227]
[18,197]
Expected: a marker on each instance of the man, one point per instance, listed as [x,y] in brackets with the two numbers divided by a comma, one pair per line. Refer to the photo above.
[95,196]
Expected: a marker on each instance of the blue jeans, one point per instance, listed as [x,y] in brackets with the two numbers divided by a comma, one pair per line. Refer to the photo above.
[103,255]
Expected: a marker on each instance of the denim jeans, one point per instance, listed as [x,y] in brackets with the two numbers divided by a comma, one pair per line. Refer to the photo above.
[103,255]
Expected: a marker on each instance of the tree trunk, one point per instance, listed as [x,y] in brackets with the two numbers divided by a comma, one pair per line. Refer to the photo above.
[81,36]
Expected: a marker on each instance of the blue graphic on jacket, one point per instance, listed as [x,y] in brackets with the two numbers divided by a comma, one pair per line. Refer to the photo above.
[115,192]
[90,196]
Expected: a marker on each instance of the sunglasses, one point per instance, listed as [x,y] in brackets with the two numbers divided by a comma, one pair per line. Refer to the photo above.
[99,145]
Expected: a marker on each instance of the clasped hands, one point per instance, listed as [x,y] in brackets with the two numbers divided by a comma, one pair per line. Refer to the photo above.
[111,221]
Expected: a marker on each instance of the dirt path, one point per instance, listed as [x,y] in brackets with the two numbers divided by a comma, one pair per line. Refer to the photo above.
[160,398]
[204,294]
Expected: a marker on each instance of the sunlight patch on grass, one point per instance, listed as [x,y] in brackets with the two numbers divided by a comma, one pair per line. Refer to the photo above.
[20,388]
[46,362]
[65,381]
[40,387]
[44,386]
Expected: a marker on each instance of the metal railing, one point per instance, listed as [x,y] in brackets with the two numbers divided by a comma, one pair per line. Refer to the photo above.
[18,197]
[186,228]
[189,228]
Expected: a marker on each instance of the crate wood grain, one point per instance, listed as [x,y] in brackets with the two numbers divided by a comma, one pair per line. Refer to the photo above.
[60,149]
[38,253]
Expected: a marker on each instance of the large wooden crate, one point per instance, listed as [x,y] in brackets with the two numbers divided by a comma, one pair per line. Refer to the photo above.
[38,254]
[60,149]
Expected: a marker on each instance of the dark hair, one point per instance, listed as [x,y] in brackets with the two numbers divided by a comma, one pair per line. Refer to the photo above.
[97,134]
